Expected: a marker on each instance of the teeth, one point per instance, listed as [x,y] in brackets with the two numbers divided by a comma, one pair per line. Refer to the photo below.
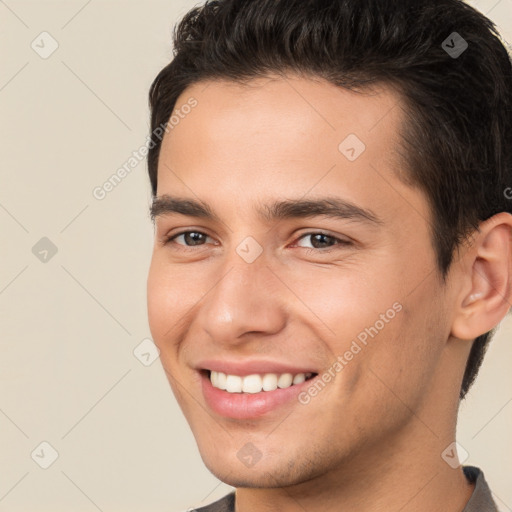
[233,384]
[269,382]
[221,380]
[285,380]
[299,378]
[256,383]
[251,384]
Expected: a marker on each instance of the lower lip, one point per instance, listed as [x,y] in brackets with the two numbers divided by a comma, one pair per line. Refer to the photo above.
[248,405]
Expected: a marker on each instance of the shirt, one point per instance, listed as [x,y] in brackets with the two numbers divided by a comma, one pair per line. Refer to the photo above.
[480,501]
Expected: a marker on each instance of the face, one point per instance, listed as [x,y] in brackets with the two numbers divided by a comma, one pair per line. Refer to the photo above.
[305,257]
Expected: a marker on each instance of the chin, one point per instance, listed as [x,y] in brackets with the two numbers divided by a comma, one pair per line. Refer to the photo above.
[270,473]
[249,478]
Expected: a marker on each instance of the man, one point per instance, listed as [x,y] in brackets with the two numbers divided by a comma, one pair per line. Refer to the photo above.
[333,245]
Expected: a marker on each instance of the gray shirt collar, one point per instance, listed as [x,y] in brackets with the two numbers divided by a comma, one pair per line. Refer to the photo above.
[481,499]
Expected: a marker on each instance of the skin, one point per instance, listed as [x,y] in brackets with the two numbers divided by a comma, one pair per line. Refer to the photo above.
[386,418]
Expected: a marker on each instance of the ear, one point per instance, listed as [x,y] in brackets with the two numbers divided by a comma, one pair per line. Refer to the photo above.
[486,291]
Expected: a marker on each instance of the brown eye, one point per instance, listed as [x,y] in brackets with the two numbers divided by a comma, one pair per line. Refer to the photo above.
[190,238]
[319,240]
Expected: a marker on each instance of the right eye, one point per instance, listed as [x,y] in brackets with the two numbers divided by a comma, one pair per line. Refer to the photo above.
[194,238]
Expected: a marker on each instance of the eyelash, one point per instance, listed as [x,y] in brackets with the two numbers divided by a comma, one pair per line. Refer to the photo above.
[340,243]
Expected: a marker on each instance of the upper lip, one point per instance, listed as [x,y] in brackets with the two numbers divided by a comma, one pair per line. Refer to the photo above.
[249,367]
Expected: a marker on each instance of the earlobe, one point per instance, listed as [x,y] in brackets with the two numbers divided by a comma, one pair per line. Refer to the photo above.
[489,264]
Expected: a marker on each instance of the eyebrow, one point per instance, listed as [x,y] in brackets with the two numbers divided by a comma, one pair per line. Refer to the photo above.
[333,207]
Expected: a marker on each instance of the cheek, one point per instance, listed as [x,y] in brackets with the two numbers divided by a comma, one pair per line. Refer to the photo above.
[403,358]
[371,317]
[156,298]
[164,305]
[345,300]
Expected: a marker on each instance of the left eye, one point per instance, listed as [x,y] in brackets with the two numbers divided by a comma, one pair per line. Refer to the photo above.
[318,240]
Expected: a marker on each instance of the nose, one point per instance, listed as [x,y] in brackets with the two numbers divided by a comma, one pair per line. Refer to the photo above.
[248,299]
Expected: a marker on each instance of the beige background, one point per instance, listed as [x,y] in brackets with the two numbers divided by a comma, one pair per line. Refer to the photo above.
[68,373]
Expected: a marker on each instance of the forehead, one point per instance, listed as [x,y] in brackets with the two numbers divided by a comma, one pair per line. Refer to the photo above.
[301,106]
[273,123]
[286,136]
[308,94]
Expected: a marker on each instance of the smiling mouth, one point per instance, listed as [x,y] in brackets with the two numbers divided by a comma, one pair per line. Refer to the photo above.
[256,383]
